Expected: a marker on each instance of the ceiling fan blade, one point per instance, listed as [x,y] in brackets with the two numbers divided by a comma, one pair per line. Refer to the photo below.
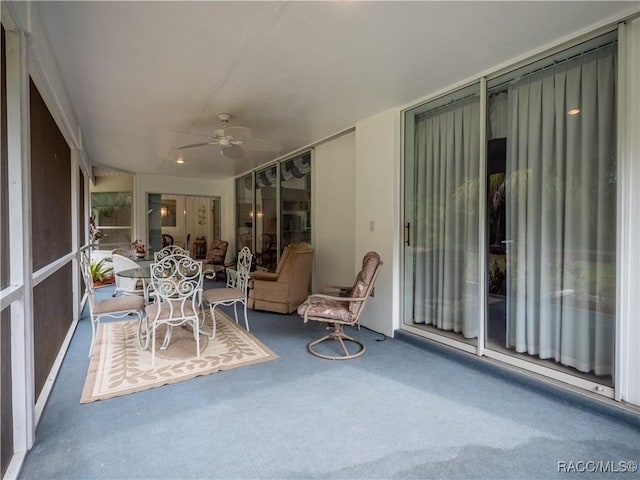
[191,133]
[233,151]
[238,133]
[260,145]
[194,145]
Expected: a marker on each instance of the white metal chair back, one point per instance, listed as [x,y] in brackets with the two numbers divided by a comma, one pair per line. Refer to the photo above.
[85,267]
[236,291]
[178,278]
[239,277]
[176,283]
[169,250]
[243,268]
[118,307]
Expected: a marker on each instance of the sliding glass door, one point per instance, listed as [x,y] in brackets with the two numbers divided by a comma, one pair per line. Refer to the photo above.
[273,209]
[191,222]
[523,263]
[441,190]
[552,261]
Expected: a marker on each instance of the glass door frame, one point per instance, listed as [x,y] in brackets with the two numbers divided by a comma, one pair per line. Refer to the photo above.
[409,238]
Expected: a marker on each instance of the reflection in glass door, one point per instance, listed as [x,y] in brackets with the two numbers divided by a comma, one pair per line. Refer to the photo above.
[154,222]
[244,213]
[266,218]
[295,199]
[190,222]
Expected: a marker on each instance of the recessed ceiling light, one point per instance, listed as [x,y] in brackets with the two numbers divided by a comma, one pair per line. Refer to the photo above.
[180,160]
[574,111]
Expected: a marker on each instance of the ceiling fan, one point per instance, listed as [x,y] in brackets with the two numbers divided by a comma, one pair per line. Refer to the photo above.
[233,140]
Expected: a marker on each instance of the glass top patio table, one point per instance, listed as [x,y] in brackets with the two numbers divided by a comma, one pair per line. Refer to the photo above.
[144,271]
[139,272]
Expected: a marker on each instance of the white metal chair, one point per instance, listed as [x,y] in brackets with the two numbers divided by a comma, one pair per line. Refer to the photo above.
[125,286]
[234,293]
[176,282]
[169,250]
[117,307]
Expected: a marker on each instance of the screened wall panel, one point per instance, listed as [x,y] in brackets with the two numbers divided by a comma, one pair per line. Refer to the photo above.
[6,404]
[50,185]
[53,315]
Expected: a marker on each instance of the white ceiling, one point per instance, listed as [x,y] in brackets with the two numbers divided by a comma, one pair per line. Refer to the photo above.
[293,72]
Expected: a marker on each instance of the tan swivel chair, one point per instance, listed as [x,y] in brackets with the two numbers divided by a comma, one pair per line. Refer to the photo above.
[286,288]
[341,311]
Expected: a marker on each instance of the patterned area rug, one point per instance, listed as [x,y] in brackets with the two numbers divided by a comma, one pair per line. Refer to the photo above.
[118,366]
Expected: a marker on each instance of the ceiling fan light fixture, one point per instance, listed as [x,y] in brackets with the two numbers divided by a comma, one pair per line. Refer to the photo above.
[224,117]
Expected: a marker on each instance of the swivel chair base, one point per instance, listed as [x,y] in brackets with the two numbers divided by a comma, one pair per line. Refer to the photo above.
[339,335]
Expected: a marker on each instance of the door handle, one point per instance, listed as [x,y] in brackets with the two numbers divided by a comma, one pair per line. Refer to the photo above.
[407,240]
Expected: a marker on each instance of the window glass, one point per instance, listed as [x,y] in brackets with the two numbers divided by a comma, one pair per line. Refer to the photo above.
[266,217]
[112,216]
[295,194]
[244,212]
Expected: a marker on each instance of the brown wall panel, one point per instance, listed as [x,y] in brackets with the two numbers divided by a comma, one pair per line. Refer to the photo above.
[52,317]
[6,404]
[50,185]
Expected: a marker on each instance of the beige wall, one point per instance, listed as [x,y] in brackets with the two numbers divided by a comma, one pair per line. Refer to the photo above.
[115,183]
[333,208]
[377,191]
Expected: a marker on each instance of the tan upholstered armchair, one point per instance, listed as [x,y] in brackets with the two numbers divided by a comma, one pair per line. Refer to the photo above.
[286,288]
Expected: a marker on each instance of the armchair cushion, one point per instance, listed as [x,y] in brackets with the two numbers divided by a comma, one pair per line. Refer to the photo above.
[268,276]
[326,308]
[358,292]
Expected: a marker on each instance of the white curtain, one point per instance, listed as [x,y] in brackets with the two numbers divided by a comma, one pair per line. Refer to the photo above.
[561,212]
[446,186]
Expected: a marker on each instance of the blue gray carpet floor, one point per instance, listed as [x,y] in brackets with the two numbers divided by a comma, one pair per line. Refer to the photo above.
[399,411]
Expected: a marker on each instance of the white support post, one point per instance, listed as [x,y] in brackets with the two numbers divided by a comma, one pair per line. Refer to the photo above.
[18,146]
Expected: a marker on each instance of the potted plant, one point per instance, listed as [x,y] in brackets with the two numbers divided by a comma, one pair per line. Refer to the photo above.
[101,273]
